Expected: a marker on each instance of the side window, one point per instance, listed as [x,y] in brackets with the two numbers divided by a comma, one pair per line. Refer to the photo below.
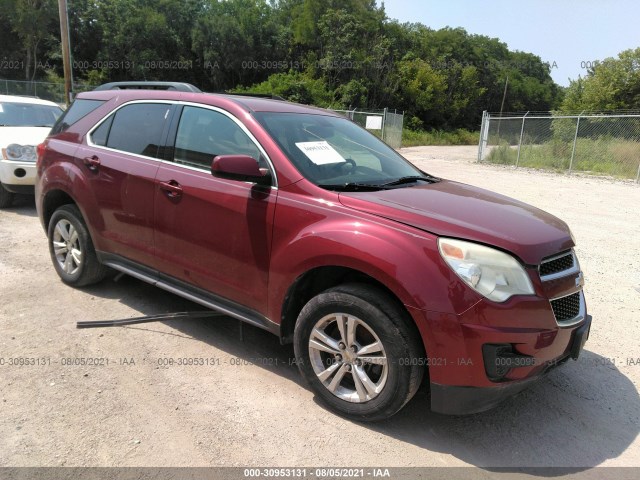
[100,134]
[138,128]
[203,134]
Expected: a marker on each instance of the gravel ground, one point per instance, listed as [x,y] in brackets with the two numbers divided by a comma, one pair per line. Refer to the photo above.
[251,408]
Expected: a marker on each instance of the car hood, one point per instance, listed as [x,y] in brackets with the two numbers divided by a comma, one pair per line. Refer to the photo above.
[462,211]
[23,135]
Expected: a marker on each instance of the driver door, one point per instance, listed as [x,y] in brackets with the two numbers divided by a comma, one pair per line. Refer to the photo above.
[213,233]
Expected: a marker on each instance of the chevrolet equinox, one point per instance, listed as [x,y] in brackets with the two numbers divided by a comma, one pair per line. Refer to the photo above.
[298,221]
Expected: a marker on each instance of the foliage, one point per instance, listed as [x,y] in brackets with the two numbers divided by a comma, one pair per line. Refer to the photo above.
[611,84]
[413,138]
[30,22]
[605,155]
[340,53]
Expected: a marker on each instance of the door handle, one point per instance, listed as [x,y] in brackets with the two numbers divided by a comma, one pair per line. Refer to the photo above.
[171,188]
[93,162]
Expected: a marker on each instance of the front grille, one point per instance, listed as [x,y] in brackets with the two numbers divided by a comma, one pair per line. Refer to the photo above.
[566,308]
[557,264]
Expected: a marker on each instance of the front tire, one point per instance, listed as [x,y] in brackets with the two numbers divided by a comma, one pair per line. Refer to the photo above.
[6,197]
[357,349]
[71,248]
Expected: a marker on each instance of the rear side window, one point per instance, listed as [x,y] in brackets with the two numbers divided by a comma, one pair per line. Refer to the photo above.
[78,109]
[101,134]
[138,128]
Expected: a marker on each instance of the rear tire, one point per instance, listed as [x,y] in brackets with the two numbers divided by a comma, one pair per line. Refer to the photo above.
[6,197]
[359,352]
[71,248]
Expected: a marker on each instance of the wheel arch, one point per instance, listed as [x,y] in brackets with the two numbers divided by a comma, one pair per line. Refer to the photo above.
[318,279]
[54,199]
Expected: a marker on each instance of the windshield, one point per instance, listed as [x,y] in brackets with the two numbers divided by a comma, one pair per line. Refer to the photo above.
[15,114]
[333,151]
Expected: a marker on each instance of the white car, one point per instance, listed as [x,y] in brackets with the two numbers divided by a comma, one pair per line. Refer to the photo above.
[24,123]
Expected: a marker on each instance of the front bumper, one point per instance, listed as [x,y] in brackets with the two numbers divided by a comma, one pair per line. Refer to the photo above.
[18,177]
[522,334]
[465,400]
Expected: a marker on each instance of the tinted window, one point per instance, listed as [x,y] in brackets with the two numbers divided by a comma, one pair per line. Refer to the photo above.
[203,134]
[78,109]
[100,134]
[138,128]
[18,114]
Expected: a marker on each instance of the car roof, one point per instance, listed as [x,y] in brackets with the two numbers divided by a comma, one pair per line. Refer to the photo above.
[251,104]
[26,99]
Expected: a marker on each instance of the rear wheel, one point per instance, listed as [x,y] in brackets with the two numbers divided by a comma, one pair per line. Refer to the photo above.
[71,248]
[6,197]
[355,347]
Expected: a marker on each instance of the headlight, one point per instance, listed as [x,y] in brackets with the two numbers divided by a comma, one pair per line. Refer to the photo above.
[490,272]
[19,152]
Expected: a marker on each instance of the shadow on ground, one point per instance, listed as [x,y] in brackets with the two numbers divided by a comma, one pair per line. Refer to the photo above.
[578,416]
[23,205]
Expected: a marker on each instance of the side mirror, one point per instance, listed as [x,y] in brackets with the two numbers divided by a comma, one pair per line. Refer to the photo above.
[239,167]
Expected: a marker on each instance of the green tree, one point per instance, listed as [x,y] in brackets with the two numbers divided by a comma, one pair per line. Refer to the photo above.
[611,84]
[32,21]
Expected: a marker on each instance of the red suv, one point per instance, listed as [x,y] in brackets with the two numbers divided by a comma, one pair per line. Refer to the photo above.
[296,220]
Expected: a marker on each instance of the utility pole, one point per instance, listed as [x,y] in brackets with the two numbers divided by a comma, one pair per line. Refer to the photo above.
[66,49]
[504,96]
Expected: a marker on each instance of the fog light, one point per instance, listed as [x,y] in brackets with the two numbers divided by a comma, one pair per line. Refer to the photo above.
[500,359]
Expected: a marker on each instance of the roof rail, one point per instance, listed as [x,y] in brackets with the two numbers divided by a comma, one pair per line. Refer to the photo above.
[258,95]
[177,86]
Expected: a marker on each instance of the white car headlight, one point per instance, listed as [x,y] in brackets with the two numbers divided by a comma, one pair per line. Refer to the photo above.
[490,272]
[20,152]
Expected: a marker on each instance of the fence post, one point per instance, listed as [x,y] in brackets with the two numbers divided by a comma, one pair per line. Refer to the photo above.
[484,113]
[520,142]
[384,121]
[484,134]
[575,141]
[638,174]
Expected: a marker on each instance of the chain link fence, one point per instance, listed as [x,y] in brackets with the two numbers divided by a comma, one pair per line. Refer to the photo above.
[603,144]
[44,90]
[383,123]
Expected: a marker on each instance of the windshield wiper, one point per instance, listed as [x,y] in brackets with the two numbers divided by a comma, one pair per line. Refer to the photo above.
[409,179]
[352,187]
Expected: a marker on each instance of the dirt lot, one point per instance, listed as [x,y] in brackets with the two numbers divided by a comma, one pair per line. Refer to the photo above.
[251,407]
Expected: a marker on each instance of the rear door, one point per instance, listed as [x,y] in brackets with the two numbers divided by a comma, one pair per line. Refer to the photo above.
[121,159]
[213,233]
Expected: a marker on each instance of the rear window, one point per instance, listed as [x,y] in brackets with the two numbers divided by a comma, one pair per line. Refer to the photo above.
[78,109]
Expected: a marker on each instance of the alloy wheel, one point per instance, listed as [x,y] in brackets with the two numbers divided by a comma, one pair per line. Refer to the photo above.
[348,357]
[66,247]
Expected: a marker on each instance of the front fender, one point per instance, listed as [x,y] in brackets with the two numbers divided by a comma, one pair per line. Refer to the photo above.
[402,258]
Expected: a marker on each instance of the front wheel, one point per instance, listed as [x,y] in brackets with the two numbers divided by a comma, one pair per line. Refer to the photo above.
[71,248]
[356,348]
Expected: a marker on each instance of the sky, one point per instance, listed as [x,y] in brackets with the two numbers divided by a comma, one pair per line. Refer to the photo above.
[570,33]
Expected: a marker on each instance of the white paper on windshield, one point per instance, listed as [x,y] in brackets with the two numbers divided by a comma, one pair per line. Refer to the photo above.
[1,109]
[320,153]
